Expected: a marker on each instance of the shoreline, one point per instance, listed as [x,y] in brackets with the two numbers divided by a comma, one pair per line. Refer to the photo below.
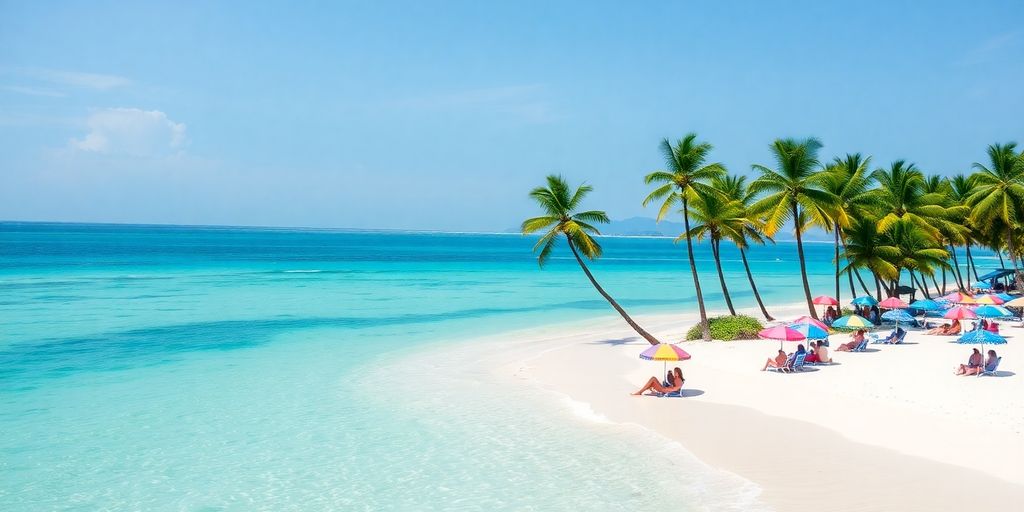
[857,449]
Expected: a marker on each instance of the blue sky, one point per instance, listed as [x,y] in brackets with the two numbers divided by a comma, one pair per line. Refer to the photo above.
[443,116]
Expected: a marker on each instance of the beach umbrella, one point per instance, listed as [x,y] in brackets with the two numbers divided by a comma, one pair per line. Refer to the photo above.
[1015,303]
[897,315]
[960,313]
[1005,296]
[781,333]
[825,300]
[982,285]
[810,331]
[852,322]
[967,299]
[981,336]
[808,320]
[893,303]
[990,311]
[988,299]
[956,297]
[664,352]
[864,300]
[925,305]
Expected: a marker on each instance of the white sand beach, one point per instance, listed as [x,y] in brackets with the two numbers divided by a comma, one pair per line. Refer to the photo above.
[888,429]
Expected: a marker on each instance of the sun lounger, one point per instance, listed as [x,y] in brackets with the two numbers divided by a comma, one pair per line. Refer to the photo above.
[861,347]
[893,338]
[994,368]
[786,368]
[798,362]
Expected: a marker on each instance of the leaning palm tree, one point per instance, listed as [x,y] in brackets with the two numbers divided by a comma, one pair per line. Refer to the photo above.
[686,173]
[711,211]
[916,252]
[744,227]
[999,193]
[562,218]
[791,189]
[866,249]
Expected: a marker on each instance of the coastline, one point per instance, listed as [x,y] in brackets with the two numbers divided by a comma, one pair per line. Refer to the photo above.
[870,441]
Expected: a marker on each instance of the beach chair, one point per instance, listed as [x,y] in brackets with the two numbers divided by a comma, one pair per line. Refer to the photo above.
[994,368]
[798,362]
[862,346]
[788,367]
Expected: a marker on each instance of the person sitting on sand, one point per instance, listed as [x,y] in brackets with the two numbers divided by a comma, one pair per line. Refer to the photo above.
[993,327]
[812,353]
[653,384]
[954,328]
[821,354]
[973,364]
[857,338]
[779,362]
[830,316]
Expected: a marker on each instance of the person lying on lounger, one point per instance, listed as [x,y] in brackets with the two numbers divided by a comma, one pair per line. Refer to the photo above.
[973,366]
[943,329]
[779,361]
[653,384]
[857,339]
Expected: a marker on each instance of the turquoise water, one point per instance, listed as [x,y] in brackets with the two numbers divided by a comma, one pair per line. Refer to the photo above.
[182,368]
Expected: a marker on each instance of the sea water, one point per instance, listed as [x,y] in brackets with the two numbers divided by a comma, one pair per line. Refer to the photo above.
[191,368]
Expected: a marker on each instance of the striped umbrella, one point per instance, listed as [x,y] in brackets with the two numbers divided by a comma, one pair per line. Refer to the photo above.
[893,303]
[967,299]
[664,352]
[1015,303]
[809,330]
[808,320]
[1005,296]
[852,322]
[960,313]
[781,333]
[988,299]
[956,297]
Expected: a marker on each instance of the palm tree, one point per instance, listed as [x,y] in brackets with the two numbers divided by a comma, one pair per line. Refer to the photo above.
[866,249]
[901,195]
[712,211]
[686,174]
[916,251]
[999,192]
[960,189]
[790,188]
[561,218]
[744,227]
[848,179]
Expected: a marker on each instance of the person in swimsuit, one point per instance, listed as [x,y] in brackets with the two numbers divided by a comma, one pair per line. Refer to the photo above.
[858,337]
[973,364]
[778,362]
[653,384]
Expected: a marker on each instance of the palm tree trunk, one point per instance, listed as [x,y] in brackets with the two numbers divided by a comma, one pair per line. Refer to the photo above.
[936,283]
[1012,250]
[636,327]
[956,268]
[1002,264]
[878,287]
[943,280]
[750,277]
[715,245]
[970,263]
[837,263]
[705,329]
[920,283]
[803,262]
[860,279]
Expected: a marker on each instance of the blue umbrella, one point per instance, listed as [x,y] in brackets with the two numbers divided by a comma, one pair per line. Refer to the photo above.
[810,331]
[981,336]
[983,285]
[864,300]
[924,305]
[989,311]
[897,315]
[1005,296]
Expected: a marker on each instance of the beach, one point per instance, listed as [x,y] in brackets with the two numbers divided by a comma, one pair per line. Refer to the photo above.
[887,429]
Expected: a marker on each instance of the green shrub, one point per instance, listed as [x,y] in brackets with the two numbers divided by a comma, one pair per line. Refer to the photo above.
[728,328]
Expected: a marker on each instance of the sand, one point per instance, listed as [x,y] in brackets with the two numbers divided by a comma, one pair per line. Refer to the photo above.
[887,429]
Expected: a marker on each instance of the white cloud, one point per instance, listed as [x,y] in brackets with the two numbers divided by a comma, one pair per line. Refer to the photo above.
[34,91]
[96,81]
[130,131]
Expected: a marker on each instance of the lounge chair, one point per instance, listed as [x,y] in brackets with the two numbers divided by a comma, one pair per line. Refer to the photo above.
[798,362]
[786,368]
[861,347]
[994,368]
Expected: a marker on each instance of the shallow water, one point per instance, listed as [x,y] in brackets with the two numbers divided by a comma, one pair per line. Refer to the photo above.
[173,368]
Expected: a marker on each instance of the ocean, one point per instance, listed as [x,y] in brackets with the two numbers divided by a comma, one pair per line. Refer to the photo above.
[209,368]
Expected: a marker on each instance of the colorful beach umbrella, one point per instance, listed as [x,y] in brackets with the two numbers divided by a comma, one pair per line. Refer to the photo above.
[1005,296]
[897,315]
[1015,303]
[893,303]
[810,331]
[926,305]
[967,299]
[808,320]
[990,311]
[956,297]
[825,300]
[988,299]
[960,313]
[781,333]
[851,322]
[664,352]
[864,300]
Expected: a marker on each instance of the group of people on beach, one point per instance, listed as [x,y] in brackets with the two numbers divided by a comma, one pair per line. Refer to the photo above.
[673,383]
[975,364]
[818,353]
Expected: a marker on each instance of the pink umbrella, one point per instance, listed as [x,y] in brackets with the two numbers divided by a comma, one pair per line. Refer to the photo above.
[988,299]
[956,297]
[808,320]
[960,313]
[893,303]
[825,300]
[781,333]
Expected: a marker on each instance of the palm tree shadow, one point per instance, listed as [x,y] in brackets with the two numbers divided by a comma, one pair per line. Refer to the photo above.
[691,392]
[632,340]
[1001,373]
